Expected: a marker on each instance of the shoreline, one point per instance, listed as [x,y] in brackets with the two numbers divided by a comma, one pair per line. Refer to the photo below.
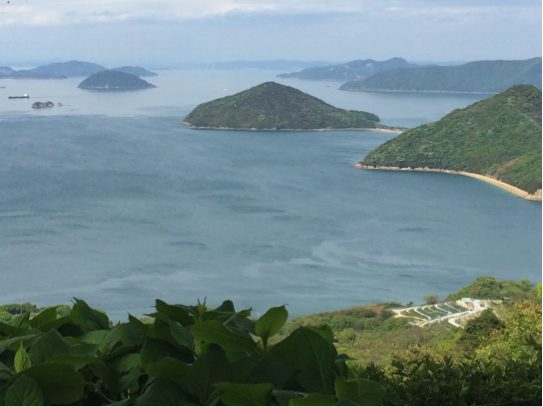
[391,130]
[507,187]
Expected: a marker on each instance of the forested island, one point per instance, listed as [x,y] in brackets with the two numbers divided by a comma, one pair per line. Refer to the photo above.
[353,70]
[60,70]
[473,77]
[271,106]
[375,354]
[113,81]
[498,137]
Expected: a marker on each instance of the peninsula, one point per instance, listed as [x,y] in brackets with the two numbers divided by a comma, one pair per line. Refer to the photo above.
[497,140]
[271,106]
[113,81]
[354,70]
[473,77]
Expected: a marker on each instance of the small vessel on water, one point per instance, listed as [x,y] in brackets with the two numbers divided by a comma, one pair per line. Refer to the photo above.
[23,96]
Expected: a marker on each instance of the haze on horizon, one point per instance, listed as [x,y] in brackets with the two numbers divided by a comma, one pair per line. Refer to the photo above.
[177,32]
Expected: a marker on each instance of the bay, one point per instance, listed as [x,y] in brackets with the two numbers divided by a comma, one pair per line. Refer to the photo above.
[110,199]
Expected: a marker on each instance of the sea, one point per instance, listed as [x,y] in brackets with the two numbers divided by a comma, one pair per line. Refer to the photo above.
[109,198]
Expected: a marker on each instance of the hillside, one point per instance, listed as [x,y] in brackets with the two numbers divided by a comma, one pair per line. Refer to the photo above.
[478,76]
[499,137]
[135,70]
[271,106]
[114,80]
[353,70]
[63,69]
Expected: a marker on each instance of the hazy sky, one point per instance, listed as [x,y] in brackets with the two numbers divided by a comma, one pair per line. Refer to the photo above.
[169,32]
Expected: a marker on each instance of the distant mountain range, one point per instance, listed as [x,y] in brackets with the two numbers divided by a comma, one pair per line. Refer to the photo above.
[64,70]
[277,65]
[353,70]
[478,76]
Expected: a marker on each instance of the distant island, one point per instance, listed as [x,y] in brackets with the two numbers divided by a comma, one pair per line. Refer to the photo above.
[63,70]
[113,81]
[135,70]
[353,70]
[496,139]
[473,77]
[271,106]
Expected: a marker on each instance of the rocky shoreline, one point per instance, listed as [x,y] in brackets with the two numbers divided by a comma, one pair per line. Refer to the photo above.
[537,196]
[397,130]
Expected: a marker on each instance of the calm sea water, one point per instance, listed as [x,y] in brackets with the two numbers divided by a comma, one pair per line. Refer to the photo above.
[110,199]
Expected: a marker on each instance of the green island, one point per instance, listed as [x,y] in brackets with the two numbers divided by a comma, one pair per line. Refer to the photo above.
[349,71]
[271,106]
[498,138]
[473,77]
[471,351]
[113,81]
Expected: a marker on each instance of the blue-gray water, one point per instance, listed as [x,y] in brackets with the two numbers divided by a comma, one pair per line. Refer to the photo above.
[110,199]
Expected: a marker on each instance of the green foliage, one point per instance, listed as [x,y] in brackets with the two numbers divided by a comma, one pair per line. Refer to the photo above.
[431,299]
[480,328]
[489,287]
[477,76]
[498,137]
[271,106]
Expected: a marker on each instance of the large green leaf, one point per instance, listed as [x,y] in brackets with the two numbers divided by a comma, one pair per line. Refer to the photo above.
[313,357]
[22,360]
[48,315]
[156,349]
[88,318]
[363,392]
[314,399]
[24,392]
[49,345]
[162,392]
[127,334]
[77,362]
[215,332]
[181,335]
[271,322]
[261,369]
[233,394]
[9,330]
[60,383]
[167,367]
[175,313]
[211,367]
[125,363]
[21,321]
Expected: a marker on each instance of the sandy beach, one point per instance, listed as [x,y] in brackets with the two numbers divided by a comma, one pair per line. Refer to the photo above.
[396,131]
[509,188]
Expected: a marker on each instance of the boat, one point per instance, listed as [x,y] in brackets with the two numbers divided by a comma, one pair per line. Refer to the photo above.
[23,96]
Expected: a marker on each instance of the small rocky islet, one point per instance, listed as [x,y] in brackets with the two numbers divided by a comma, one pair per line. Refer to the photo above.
[271,106]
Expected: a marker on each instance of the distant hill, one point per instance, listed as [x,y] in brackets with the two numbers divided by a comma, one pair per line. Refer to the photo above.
[71,68]
[53,71]
[499,137]
[478,76]
[6,72]
[278,65]
[353,70]
[271,106]
[135,70]
[114,80]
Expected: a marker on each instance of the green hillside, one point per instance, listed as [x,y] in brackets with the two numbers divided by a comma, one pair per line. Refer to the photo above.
[353,70]
[114,80]
[478,76]
[271,106]
[498,137]
[135,70]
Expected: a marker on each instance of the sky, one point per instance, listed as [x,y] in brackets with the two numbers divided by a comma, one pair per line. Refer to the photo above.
[176,32]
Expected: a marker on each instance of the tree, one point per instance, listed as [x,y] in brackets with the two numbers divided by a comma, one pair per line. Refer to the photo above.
[431,299]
